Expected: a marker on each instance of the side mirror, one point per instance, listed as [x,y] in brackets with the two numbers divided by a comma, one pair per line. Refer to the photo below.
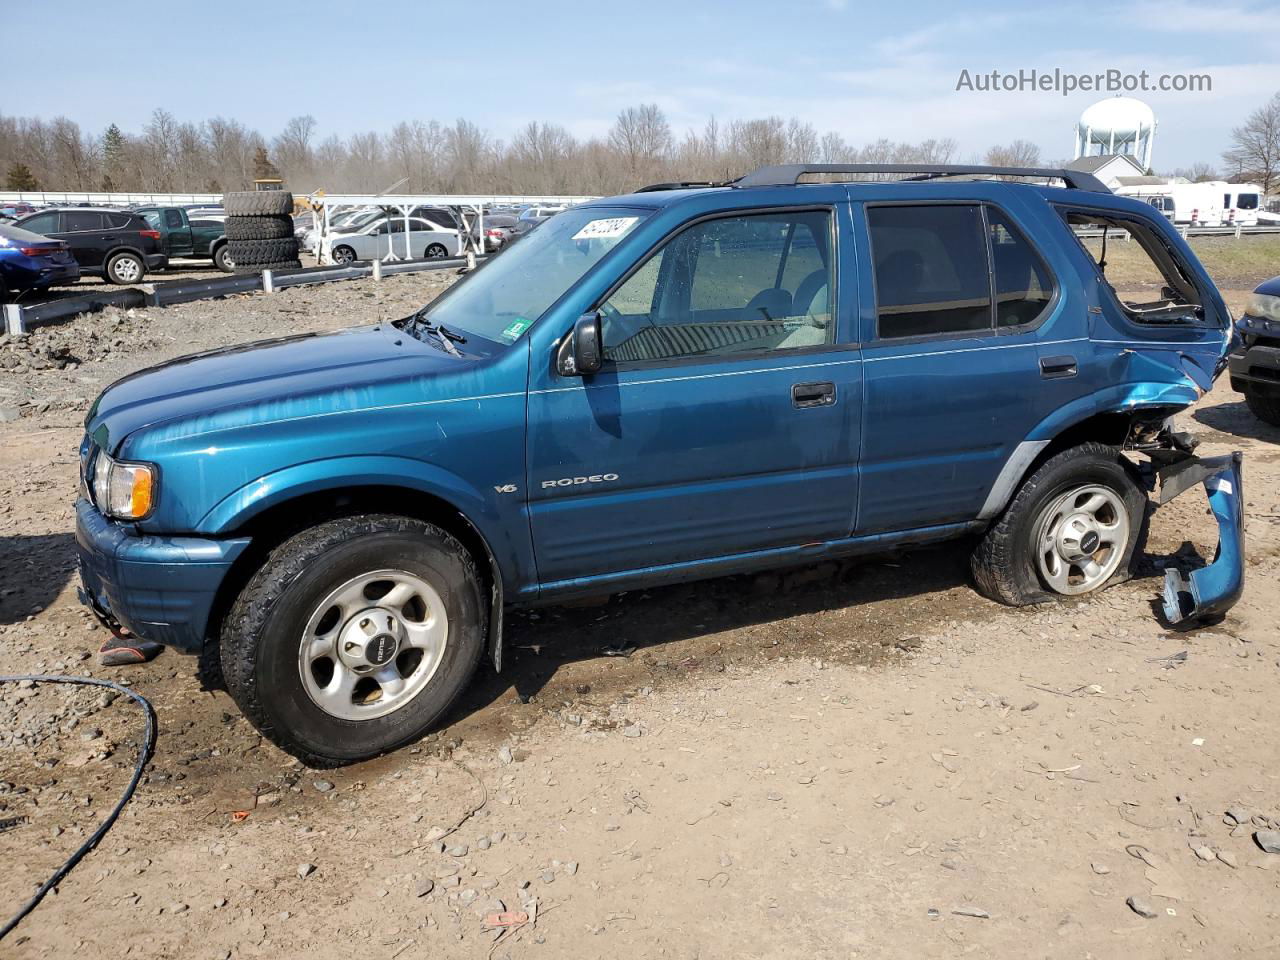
[582,352]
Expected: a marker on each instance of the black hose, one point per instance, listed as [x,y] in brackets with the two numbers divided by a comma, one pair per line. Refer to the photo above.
[144,754]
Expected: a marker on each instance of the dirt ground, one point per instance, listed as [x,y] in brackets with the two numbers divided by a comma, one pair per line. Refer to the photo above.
[851,759]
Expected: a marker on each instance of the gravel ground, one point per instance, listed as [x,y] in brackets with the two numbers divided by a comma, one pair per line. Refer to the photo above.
[850,759]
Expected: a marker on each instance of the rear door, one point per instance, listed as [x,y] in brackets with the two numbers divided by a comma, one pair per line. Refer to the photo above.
[88,235]
[726,417]
[954,362]
[177,233]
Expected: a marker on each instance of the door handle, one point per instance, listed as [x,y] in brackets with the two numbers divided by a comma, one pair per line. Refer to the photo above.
[813,394]
[1052,368]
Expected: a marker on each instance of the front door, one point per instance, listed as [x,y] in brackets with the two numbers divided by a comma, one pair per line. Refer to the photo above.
[956,363]
[726,416]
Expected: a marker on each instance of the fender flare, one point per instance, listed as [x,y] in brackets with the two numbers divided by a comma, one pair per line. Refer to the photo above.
[335,474]
[1121,399]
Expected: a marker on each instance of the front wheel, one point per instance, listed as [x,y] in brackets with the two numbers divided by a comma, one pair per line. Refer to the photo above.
[1072,528]
[125,268]
[354,637]
[1266,409]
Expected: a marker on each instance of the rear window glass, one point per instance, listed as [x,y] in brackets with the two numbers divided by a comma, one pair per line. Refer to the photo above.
[1022,281]
[1247,201]
[173,218]
[930,269]
[74,220]
[119,220]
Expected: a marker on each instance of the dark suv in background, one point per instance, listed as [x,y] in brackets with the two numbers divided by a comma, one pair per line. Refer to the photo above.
[117,245]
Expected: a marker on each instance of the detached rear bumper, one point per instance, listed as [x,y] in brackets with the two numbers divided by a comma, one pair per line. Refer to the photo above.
[1208,593]
[160,588]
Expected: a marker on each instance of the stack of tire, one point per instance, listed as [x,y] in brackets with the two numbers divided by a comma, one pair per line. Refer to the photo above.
[260,231]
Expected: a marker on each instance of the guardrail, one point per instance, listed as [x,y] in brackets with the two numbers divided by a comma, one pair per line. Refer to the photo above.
[18,318]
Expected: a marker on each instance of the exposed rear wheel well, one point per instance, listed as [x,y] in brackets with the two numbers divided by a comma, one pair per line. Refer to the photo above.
[275,525]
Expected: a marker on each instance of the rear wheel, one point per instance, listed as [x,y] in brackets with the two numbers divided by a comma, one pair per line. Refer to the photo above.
[1266,409]
[1072,528]
[222,259]
[124,268]
[436,251]
[354,637]
[343,254]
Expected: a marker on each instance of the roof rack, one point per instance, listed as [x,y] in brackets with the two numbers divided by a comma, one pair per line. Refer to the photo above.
[789,174]
[679,185]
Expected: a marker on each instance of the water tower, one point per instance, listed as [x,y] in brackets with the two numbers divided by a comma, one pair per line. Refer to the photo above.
[1117,125]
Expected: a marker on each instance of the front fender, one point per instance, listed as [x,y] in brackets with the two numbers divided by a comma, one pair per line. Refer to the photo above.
[504,530]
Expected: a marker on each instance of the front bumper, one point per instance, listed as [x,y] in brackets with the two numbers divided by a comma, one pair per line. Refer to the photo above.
[1256,369]
[160,588]
[1208,593]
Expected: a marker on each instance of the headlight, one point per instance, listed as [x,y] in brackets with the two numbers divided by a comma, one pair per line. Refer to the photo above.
[123,490]
[1262,311]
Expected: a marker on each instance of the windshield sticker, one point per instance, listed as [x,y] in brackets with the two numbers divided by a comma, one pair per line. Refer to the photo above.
[517,326]
[610,228]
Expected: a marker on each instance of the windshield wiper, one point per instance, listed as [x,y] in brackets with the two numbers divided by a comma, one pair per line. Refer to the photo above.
[446,336]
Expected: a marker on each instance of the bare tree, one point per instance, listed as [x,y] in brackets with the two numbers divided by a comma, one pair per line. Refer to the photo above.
[1197,173]
[1019,153]
[1255,146]
[642,137]
[292,149]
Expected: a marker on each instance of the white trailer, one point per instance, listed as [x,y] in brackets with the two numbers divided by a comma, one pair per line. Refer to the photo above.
[1241,203]
[1193,204]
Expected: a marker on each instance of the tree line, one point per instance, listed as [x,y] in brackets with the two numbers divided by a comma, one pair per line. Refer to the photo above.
[427,156]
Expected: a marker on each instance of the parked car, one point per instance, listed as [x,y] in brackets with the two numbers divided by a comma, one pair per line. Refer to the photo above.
[653,388]
[183,235]
[118,245]
[29,261]
[499,230]
[385,237]
[14,211]
[1255,363]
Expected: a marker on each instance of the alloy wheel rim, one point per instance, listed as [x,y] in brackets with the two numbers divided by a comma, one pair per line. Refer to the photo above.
[1080,539]
[127,269]
[373,644]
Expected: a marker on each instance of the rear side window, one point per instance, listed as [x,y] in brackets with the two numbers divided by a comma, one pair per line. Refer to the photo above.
[173,218]
[930,269]
[1022,284]
[1138,265]
[1247,201]
[76,220]
[119,220]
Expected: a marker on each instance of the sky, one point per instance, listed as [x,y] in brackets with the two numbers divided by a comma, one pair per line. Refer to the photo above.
[865,70]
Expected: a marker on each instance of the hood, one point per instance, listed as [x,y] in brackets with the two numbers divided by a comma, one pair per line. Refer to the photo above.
[288,376]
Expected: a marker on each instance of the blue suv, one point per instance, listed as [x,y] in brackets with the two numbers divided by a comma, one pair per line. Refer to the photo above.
[690,381]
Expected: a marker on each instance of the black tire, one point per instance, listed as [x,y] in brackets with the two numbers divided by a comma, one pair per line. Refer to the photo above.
[274,267]
[437,251]
[259,228]
[1266,409]
[1004,563]
[258,203]
[248,253]
[344,254]
[260,635]
[124,268]
[222,258]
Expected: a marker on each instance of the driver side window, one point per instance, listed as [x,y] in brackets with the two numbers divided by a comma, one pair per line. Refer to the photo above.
[755,283]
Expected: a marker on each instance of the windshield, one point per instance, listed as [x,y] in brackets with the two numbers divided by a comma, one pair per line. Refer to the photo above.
[502,300]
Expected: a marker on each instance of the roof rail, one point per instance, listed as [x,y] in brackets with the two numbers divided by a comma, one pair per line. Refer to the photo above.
[679,185]
[789,174]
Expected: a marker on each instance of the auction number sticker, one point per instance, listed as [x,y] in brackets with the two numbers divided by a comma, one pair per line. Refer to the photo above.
[515,328]
[606,229]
